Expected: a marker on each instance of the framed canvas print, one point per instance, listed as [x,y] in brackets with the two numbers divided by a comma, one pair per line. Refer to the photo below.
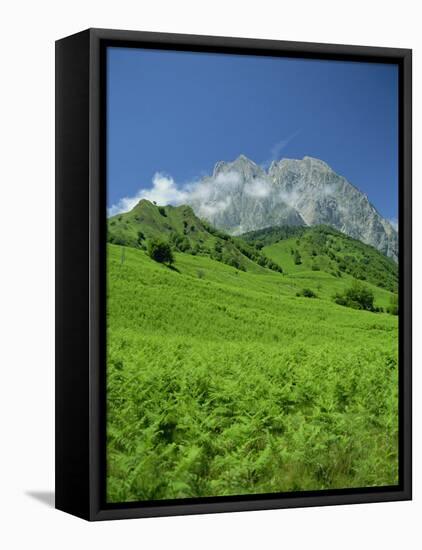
[233,274]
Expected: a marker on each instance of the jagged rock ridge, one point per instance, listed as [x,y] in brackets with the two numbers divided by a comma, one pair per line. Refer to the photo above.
[241,196]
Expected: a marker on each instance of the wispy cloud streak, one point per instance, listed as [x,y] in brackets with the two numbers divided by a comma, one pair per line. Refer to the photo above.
[278,147]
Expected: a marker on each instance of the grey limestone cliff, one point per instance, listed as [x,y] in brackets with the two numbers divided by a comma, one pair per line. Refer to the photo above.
[241,196]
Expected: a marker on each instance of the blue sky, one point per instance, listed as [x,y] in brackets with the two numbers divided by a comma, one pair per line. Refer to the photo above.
[178,113]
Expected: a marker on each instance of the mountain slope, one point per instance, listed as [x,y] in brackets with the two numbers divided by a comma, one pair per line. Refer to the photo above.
[186,233]
[322,248]
[213,377]
[288,248]
[241,196]
[323,197]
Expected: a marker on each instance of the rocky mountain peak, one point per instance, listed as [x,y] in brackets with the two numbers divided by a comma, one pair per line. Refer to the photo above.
[241,196]
[242,165]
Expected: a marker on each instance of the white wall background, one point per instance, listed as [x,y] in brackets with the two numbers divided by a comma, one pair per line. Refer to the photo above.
[27,36]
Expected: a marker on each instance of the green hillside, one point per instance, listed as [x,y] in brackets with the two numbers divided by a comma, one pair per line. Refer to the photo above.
[322,248]
[227,380]
[186,233]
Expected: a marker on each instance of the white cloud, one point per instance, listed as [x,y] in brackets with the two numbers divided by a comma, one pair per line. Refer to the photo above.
[210,209]
[228,179]
[258,188]
[124,205]
[204,190]
[164,191]
[289,197]
[205,194]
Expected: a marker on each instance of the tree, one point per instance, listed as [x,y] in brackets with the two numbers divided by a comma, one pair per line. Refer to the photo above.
[358,296]
[297,257]
[160,251]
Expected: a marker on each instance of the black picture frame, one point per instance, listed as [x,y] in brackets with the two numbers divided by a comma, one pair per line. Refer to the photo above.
[80,272]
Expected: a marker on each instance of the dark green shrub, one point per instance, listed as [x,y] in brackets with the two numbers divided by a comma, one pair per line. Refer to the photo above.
[358,296]
[160,251]
[162,211]
[306,293]
[274,267]
[233,262]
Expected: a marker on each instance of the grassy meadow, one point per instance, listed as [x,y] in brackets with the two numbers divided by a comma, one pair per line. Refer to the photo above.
[225,380]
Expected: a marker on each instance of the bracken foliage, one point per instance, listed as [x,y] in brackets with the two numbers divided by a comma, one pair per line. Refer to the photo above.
[223,382]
